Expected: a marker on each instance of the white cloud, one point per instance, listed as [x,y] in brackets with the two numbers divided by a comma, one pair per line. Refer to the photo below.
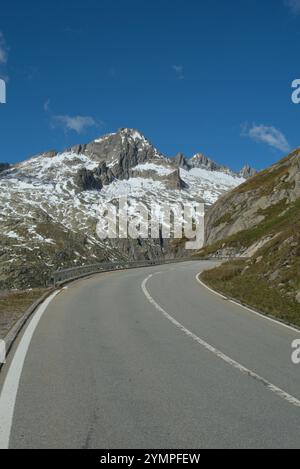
[47,105]
[268,135]
[76,123]
[293,5]
[178,69]
[3,49]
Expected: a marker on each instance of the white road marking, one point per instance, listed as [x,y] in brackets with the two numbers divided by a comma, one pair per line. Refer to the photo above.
[263,316]
[2,351]
[210,289]
[11,384]
[271,387]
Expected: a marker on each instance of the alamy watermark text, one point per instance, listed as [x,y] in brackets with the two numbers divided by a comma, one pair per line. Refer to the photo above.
[296,92]
[2,91]
[120,219]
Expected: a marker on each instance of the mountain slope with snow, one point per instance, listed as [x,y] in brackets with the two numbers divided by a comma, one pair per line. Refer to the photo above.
[50,203]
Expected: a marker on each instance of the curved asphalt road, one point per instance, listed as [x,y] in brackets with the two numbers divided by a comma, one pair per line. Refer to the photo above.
[149,358]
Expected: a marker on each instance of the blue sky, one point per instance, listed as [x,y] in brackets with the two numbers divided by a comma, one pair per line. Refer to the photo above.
[194,75]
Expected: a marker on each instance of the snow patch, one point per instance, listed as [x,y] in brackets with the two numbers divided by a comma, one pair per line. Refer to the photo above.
[161,170]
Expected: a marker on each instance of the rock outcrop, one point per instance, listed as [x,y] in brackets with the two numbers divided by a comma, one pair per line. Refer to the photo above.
[4,167]
[247,172]
[272,190]
[201,161]
[85,180]
[182,162]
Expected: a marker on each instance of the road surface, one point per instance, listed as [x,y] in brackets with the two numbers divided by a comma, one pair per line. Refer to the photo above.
[149,358]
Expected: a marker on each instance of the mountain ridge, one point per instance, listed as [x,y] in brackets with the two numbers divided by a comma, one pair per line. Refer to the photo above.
[105,148]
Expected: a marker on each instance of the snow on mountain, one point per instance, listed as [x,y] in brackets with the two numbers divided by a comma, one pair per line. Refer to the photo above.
[214,179]
[50,203]
[162,170]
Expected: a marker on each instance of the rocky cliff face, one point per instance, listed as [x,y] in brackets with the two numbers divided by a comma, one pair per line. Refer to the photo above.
[87,180]
[249,205]
[4,167]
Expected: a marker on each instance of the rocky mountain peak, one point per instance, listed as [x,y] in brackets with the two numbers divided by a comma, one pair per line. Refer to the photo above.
[247,172]
[127,147]
[181,161]
[132,134]
[201,161]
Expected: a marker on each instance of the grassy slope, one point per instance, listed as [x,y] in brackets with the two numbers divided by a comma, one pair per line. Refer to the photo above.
[271,279]
[13,305]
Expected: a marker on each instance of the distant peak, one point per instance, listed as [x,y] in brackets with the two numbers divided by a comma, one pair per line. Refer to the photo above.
[103,137]
[247,172]
[127,130]
[201,161]
[132,133]
[124,133]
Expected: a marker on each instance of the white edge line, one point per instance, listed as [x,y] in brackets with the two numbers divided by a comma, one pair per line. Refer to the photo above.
[210,289]
[10,387]
[271,387]
[263,316]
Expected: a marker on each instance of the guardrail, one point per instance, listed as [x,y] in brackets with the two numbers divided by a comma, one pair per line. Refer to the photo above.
[62,275]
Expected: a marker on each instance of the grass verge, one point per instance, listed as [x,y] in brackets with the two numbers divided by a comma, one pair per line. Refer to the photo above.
[13,304]
[245,283]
